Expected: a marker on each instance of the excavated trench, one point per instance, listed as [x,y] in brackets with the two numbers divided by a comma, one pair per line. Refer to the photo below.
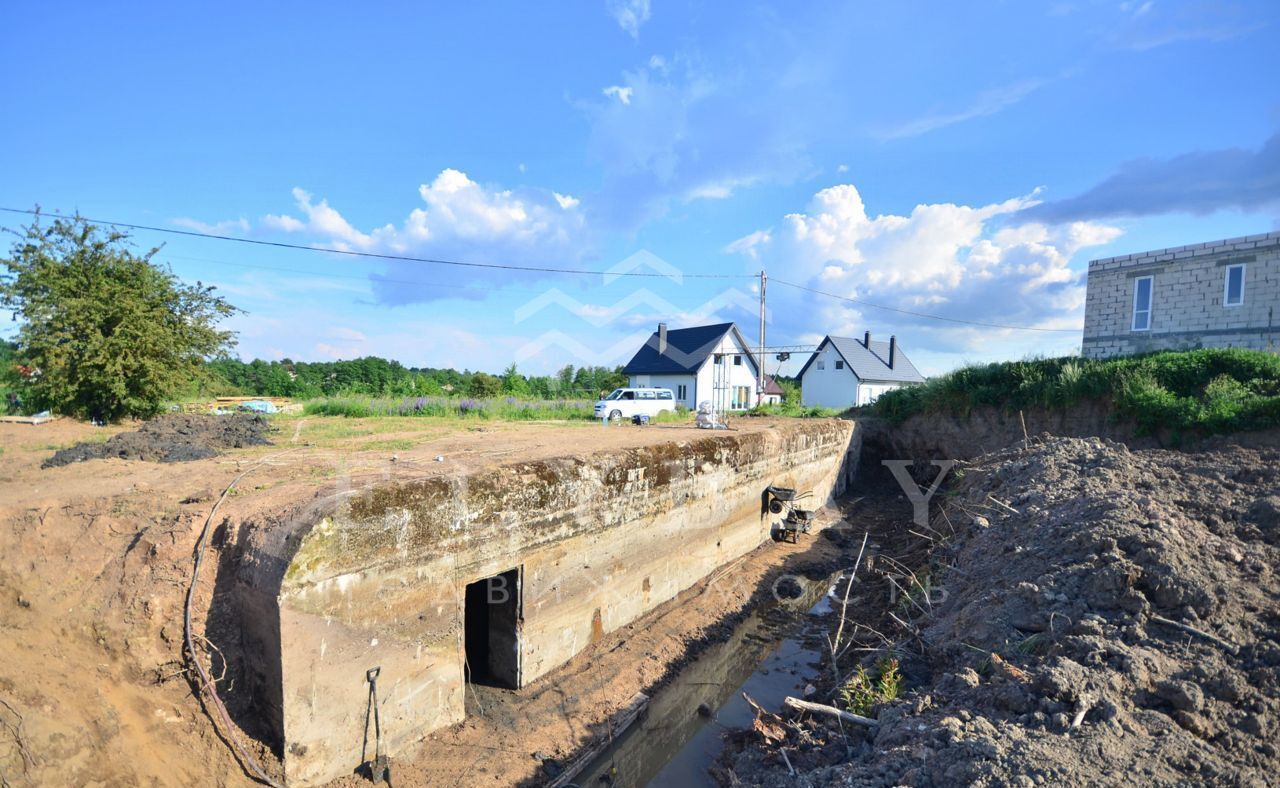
[766,656]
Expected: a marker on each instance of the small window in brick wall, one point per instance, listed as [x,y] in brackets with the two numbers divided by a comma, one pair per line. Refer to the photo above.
[1233,289]
[1142,288]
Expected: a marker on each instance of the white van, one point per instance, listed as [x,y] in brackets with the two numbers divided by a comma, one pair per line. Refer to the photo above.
[625,403]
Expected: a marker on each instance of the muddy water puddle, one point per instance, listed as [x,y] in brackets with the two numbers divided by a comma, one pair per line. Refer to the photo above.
[676,740]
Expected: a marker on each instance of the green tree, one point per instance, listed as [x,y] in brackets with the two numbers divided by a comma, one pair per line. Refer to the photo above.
[106,333]
[513,382]
[564,379]
[485,385]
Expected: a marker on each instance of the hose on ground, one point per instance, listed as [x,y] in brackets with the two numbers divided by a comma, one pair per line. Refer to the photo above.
[247,761]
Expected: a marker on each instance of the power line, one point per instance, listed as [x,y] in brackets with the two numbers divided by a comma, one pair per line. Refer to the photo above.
[373,255]
[921,314]
[498,266]
[355,277]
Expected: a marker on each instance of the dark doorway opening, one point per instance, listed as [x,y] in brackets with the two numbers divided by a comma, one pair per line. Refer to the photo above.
[492,635]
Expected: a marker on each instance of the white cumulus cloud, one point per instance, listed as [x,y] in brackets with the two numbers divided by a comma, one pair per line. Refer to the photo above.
[957,261]
[456,209]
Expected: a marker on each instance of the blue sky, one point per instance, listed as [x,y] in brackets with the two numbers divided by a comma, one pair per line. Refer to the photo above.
[961,160]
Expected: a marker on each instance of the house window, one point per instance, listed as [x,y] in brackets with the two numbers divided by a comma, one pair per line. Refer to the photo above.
[821,365]
[839,363]
[1142,303]
[737,361]
[741,397]
[680,393]
[719,359]
[1233,289]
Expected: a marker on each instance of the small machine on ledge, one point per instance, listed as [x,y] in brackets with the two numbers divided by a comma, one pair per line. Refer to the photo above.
[785,500]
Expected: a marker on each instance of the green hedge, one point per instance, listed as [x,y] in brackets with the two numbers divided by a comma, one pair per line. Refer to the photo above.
[1216,391]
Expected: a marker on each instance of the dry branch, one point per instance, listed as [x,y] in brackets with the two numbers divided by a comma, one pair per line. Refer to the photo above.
[1230,647]
[830,711]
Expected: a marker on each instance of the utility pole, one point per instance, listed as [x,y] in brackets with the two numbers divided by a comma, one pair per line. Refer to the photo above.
[760,355]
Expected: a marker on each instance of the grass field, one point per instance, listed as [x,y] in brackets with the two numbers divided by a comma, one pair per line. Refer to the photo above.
[504,409]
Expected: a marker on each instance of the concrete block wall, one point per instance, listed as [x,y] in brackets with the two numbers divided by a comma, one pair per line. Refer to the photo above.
[1187,308]
[379,579]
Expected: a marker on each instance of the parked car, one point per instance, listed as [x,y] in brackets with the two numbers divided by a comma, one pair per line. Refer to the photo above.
[625,403]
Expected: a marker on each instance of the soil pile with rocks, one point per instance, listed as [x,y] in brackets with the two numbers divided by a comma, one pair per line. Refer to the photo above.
[173,437]
[1097,616]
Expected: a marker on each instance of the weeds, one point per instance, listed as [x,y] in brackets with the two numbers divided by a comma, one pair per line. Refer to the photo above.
[1209,390]
[794,410]
[1032,644]
[862,691]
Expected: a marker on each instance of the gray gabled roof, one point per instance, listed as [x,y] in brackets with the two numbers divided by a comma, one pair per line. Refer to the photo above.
[872,363]
[687,350]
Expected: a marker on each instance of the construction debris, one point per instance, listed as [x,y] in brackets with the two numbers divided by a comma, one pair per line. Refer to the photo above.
[707,419]
[43,417]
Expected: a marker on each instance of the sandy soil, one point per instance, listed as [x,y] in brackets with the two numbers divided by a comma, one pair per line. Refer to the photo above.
[97,556]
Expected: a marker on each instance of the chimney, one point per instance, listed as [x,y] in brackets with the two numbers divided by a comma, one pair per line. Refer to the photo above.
[662,339]
[893,351]
[866,340]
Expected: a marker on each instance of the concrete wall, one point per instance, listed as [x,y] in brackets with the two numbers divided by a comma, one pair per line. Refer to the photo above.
[1187,298]
[378,579]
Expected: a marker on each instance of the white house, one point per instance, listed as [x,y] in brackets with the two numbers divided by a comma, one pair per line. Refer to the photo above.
[773,393]
[703,363]
[846,372]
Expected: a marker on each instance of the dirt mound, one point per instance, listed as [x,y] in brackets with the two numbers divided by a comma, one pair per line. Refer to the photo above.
[1096,615]
[174,437]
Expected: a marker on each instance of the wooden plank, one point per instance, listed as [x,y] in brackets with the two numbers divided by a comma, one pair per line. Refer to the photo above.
[623,719]
[28,419]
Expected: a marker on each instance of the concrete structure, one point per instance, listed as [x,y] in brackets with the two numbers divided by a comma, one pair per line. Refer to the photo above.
[846,372]
[510,570]
[1216,294]
[703,363]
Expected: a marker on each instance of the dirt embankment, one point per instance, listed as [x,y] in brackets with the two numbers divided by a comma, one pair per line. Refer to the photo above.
[988,429]
[1097,615]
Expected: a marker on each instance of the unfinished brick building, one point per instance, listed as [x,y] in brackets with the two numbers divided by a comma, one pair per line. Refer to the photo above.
[1217,294]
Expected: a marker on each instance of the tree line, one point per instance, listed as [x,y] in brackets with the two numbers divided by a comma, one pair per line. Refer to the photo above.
[376,376]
